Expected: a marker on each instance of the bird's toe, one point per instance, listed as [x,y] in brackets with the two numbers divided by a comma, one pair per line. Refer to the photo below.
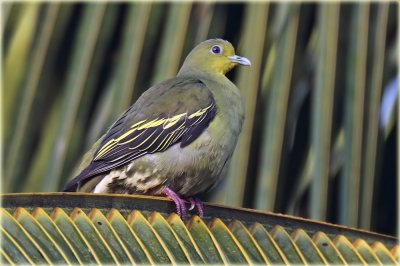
[179,203]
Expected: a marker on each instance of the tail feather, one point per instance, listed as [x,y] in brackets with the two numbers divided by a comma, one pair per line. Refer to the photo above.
[73,184]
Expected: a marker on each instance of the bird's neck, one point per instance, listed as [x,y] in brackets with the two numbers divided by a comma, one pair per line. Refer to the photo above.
[188,71]
[222,80]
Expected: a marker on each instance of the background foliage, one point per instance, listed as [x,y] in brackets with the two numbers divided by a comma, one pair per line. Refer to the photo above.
[319,139]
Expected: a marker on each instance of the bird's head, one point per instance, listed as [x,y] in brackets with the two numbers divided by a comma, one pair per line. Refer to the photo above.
[215,56]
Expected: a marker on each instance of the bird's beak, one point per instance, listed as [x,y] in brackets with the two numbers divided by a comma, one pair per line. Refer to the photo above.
[239,60]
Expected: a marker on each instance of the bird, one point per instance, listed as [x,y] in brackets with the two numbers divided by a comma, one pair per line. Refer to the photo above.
[177,139]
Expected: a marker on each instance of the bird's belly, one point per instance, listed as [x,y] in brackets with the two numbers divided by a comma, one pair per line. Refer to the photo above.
[187,171]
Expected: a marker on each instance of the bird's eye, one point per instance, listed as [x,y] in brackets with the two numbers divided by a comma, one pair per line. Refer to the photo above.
[216,49]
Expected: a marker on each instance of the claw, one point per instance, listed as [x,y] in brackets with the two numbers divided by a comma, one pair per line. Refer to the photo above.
[195,202]
[192,203]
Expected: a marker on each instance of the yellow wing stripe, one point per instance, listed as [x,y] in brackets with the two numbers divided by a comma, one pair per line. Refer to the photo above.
[172,121]
[165,142]
[200,112]
[144,141]
[112,143]
[132,139]
[143,125]
[155,139]
[138,123]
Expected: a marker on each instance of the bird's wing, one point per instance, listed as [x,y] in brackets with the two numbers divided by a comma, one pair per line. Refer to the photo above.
[175,111]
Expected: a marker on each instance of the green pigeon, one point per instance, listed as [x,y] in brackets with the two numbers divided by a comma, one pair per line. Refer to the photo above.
[177,139]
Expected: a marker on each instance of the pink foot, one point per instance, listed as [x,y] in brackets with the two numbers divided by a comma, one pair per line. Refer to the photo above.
[195,202]
[179,203]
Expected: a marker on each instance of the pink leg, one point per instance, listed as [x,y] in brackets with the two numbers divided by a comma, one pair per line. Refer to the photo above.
[195,202]
[179,203]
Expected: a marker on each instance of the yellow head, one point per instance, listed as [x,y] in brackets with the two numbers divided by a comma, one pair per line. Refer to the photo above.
[215,56]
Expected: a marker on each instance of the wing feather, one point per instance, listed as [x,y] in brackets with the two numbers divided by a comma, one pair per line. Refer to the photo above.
[142,131]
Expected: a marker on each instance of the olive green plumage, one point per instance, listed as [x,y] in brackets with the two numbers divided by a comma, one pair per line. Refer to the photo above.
[180,134]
